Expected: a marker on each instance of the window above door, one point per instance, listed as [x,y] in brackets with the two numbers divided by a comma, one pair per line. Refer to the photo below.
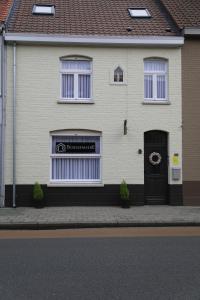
[156,81]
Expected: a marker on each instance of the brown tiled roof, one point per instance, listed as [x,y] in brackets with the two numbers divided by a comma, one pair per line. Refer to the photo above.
[4,9]
[186,13]
[91,17]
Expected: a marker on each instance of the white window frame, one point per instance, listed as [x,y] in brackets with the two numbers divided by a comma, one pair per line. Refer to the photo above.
[76,72]
[35,10]
[111,76]
[154,74]
[77,181]
[139,13]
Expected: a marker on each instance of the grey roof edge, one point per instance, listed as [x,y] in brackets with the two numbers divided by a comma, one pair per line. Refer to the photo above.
[95,39]
[193,31]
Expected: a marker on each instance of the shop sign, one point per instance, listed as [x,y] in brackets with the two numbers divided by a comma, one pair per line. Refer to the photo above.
[75,147]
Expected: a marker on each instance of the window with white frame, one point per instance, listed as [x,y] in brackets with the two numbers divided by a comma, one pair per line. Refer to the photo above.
[139,12]
[155,80]
[75,159]
[118,75]
[76,79]
[39,9]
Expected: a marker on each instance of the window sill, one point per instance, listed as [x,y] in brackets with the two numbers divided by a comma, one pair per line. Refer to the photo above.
[118,83]
[154,102]
[75,101]
[74,184]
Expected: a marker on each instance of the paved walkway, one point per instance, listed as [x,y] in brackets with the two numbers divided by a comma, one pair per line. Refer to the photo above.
[76,217]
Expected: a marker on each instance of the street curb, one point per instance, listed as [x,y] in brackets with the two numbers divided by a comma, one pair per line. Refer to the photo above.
[46,226]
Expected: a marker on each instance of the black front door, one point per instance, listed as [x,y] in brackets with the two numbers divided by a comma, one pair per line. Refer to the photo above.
[155,167]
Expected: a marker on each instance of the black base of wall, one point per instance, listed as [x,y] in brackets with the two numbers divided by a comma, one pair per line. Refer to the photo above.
[107,195]
[75,196]
[175,194]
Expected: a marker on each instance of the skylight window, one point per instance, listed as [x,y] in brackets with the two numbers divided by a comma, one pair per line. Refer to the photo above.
[139,12]
[43,9]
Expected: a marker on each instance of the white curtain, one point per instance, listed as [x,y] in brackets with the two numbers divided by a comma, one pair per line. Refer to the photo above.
[75,168]
[84,86]
[161,87]
[148,86]
[155,66]
[76,65]
[67,85]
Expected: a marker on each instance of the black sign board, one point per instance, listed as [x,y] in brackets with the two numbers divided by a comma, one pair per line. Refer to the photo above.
[72,147]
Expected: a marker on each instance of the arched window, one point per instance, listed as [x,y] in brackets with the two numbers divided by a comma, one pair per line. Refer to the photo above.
[155,79]
[76,157]
[76,78]
[118,75]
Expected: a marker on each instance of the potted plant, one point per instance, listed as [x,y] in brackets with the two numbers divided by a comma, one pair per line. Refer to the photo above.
[38,195]
[124,194]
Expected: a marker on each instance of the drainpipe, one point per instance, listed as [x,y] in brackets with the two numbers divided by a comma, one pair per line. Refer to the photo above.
[2,118]
[14,125]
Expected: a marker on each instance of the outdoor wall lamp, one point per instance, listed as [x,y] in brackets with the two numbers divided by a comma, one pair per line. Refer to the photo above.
[125,127]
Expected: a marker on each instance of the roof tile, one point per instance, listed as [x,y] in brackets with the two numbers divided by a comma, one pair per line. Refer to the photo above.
[4,9]
[90,17]
[186,13]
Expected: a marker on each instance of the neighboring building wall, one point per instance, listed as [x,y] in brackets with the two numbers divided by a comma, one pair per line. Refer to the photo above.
[191,123]
[38,113]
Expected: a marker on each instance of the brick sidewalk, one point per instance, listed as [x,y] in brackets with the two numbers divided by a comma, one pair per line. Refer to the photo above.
[75,217]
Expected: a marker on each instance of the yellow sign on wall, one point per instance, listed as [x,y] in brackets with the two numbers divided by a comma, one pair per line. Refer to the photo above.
[175,159]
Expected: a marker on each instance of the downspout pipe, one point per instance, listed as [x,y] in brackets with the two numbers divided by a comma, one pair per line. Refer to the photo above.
[2,200]
[14,124]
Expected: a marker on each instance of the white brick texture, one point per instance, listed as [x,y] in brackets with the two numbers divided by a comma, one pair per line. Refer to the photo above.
[38,113]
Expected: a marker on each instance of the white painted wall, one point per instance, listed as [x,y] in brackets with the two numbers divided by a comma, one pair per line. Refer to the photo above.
[38,113]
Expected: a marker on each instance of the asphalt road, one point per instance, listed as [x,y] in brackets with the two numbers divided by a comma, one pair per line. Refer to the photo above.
[108,268]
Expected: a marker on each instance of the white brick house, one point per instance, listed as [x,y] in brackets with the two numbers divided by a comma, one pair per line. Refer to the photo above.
[91,111]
